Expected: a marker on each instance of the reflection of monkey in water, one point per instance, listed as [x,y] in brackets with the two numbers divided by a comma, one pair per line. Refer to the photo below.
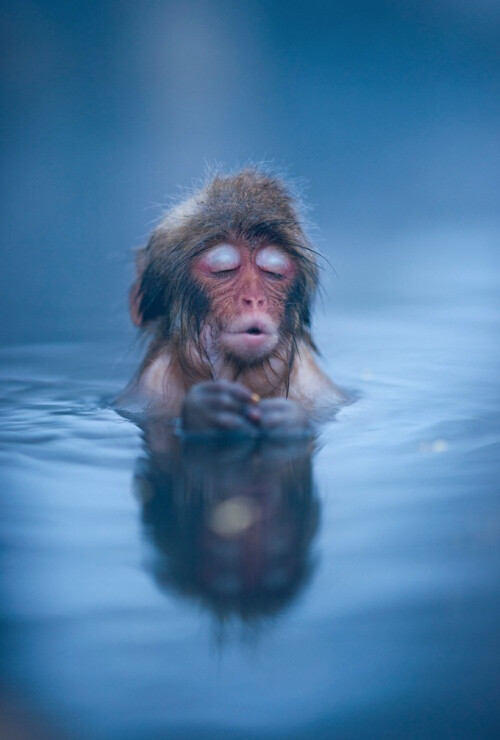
[225,286]
[232,524]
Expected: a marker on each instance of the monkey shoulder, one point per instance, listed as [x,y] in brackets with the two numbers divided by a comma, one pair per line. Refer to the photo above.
[311,387]
[155,389]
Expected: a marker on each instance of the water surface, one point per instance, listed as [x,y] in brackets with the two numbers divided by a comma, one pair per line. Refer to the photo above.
[348,589]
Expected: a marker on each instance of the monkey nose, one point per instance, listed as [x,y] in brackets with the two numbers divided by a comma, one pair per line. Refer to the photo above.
[252,302]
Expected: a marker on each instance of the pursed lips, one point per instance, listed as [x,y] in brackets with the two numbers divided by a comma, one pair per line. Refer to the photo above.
[252,326]
[251,336]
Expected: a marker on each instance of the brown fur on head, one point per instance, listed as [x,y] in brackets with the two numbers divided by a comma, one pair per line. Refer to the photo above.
[250,207]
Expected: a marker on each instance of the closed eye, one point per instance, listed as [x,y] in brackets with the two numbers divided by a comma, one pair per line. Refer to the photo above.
[221,261]
[273,275]
[225,273]
[274,263]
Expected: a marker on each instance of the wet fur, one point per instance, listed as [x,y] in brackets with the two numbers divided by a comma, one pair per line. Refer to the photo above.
[250,207]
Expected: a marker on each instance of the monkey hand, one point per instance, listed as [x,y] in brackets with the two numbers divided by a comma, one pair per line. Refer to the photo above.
[219,407]
[280,417]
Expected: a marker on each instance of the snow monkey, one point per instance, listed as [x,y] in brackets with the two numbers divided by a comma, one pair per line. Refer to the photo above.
[225,288]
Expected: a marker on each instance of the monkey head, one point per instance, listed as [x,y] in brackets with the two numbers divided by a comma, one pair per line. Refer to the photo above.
[229,272]
[248,287]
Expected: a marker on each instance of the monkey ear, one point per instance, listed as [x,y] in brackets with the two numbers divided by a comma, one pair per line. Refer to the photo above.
[134,302]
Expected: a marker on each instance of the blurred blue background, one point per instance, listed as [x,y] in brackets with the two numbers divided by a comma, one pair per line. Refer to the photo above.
[387,111]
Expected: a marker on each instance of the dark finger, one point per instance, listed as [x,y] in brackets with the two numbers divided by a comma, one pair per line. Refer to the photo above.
[225,402]
[237,390]
[233,423]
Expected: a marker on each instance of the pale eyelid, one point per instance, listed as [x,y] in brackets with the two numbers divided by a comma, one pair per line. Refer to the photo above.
[221,258]
[273,260]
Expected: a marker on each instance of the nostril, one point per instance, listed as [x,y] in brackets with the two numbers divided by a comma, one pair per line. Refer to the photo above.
[254,302]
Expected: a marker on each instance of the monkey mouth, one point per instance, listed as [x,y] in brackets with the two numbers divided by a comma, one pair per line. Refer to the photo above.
[255,325]
[250,340]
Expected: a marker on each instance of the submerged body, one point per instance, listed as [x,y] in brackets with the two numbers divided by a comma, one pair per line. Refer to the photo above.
[225,286]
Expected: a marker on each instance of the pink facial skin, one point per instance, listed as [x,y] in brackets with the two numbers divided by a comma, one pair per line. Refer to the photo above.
[247,288]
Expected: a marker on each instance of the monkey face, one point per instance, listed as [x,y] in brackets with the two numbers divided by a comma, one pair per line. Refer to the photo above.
[247,288]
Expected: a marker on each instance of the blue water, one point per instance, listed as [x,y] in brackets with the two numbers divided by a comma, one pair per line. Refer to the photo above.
[356,593]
